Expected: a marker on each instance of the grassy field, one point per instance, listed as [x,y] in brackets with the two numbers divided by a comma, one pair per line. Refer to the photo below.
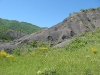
[81,57]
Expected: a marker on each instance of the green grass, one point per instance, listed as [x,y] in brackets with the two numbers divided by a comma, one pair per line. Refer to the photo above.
[75,59]
[15,25]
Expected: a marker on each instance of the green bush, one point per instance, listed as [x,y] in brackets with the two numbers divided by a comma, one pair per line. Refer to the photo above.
[34,43]
[4,37]
[77,43]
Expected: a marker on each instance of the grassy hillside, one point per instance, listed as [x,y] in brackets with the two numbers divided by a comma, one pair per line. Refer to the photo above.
[24,27]
[81,57]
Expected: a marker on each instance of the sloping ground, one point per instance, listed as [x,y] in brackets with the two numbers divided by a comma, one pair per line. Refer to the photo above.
[77,23]
[12,29]
[17,42]
[15,34]
[81,57]
[24,27]
[62,44]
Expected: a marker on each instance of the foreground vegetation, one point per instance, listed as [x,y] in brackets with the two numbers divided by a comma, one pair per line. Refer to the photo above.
[81,57]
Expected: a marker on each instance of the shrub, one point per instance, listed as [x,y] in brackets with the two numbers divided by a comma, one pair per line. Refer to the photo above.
[77,43]
[33,43]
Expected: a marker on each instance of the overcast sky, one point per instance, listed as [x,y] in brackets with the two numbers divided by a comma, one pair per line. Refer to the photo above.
[43,13]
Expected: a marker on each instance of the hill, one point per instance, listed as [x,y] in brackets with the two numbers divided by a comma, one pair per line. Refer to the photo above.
[24,27]
[10,29]
[77,23]
[80,57]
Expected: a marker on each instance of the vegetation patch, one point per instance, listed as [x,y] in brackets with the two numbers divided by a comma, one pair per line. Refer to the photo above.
[81,57]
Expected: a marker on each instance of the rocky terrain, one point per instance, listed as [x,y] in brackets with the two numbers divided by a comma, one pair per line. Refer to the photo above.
[15,34]
[76,23]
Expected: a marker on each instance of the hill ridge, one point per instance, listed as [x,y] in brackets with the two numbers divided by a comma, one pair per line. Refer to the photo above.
[76,23]
[24,27]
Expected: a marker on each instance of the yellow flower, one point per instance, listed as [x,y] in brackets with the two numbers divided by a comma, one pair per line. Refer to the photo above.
[94,50]
[43,48]
[3,53]
[9,56]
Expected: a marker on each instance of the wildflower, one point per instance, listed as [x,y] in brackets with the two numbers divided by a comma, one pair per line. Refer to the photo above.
[94,50]
[9,56]
[39,72]
[87,56]
[3,53]
[43,48]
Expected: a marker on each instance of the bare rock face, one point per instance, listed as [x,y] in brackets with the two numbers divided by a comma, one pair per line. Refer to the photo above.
[15,34]
[77,23]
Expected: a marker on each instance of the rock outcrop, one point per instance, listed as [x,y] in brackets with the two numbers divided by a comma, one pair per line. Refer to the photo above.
[76,23]
[15,34]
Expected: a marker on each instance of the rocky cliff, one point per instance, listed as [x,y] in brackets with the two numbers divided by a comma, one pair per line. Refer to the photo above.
[76,23]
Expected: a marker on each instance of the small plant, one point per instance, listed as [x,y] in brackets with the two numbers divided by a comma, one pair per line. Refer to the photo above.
[43,48]
[94,50]
[47,72]
[17,52]
[33,43]
[3,53]
[85,11]
[9,56]
[39,72]
[87,56]
[77,43]
[88,72]
[44,44]
[87,26]
[6,55]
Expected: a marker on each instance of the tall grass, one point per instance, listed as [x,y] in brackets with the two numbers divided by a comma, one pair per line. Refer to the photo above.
[81,57]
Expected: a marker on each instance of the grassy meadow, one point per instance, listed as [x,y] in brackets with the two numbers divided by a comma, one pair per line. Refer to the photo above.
[80,57]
